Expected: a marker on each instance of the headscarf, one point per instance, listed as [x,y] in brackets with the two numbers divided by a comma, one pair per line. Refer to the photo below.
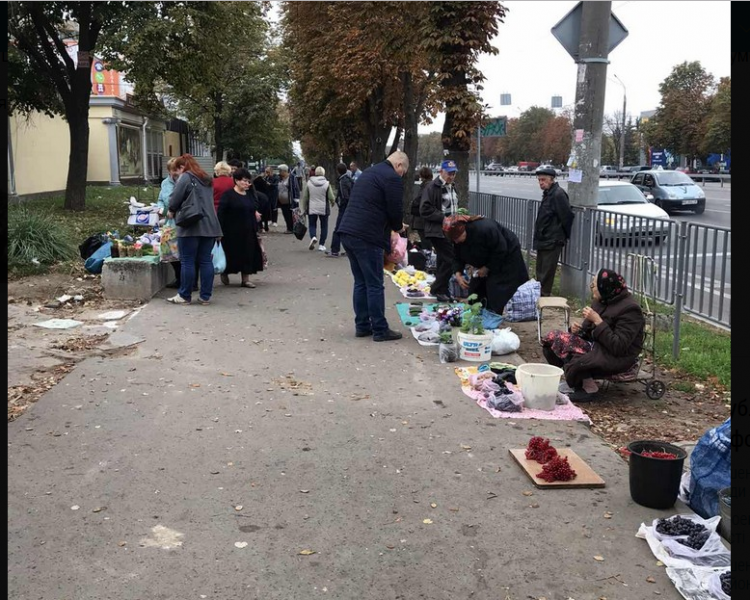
[455,225]
[609,284]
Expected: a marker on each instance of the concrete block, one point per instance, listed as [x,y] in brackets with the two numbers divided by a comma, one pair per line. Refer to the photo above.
[124,279]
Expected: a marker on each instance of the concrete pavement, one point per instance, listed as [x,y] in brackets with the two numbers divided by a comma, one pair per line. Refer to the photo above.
[255,448]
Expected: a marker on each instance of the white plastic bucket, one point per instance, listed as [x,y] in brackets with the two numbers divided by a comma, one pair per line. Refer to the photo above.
[539,383]
[476,348]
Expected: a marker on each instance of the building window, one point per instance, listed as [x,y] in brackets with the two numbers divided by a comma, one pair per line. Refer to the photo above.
[155,151]
[129,151]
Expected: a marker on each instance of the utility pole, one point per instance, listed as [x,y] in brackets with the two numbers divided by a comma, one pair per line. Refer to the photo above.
[586,148]
[622,134]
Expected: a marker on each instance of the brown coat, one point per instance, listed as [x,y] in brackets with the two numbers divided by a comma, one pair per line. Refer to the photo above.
[618,340]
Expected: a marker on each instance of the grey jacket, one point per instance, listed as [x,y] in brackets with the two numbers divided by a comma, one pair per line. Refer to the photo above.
[208,226]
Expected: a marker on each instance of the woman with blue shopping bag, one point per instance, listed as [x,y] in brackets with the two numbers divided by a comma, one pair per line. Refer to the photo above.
[239,218]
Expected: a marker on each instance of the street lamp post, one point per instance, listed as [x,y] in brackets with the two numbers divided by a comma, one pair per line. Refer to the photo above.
[622,134]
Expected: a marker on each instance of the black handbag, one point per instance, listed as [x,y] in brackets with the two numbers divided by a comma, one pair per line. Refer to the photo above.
[300,229]
[190,212]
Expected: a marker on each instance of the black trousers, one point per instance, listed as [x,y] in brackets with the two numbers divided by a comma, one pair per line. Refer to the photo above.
[286,210]
[444,269]
[546,266]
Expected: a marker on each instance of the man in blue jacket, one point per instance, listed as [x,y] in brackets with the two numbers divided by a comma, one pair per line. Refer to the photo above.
[375,209]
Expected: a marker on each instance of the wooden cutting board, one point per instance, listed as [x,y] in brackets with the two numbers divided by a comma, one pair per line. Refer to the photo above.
[585,475]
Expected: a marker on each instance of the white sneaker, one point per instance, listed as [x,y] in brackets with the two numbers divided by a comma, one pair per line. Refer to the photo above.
[322,248]
[312,243]
[274,224]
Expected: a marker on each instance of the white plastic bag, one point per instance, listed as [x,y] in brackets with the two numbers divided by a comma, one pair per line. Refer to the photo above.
[697,583]
[673,554]
[219,259]
[504,341]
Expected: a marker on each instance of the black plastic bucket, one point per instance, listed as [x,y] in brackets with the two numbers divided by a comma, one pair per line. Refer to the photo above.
[655,482]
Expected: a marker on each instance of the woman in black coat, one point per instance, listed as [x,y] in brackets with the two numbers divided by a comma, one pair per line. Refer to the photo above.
[238,214]
[495,253]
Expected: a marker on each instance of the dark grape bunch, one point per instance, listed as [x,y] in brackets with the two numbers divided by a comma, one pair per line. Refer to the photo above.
[679,526]
[695,540]
[726,583]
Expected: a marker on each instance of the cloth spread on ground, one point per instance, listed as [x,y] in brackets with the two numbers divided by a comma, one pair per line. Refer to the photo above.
[561,412]
[413,320]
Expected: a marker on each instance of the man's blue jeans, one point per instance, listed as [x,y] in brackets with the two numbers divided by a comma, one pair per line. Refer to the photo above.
[312,223]
[192,250]
[366,261]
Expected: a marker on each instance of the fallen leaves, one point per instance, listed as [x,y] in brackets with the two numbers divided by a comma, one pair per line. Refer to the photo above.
[599,558]
[427,521]
[306,552]
[240,545]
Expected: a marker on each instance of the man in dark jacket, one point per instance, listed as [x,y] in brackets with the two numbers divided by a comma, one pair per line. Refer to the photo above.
[273,195]
[439,200]
[374,210]
[552,228]
[345,184]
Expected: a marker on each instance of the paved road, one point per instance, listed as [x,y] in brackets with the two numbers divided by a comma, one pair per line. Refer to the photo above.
[709,279]
[261,421]
[718,207]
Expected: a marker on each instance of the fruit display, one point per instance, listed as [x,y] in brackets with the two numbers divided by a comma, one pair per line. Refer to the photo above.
[404,279]
[540,450]
[678,526]
[557,469]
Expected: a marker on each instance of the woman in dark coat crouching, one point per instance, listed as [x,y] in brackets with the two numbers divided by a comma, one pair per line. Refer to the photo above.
[608,341]
[495,253]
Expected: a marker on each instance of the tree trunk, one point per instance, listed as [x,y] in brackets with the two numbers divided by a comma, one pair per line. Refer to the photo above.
[78,162]
[411,139]
[396,140]
[458,151]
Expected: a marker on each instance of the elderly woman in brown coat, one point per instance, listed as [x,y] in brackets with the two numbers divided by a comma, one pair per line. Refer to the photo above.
[607,342]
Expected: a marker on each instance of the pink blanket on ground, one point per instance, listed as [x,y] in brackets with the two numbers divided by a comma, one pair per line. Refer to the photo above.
[562,412]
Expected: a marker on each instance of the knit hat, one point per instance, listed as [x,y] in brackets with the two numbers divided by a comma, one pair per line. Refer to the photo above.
[455,225]
[609,284]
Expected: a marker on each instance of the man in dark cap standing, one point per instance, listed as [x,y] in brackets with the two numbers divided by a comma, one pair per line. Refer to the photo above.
[554,222]
[439,200]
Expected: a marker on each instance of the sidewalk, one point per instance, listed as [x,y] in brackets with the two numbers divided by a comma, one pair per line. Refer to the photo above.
[277,456]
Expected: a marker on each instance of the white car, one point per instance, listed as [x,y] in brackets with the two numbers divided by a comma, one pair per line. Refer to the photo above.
[625,213]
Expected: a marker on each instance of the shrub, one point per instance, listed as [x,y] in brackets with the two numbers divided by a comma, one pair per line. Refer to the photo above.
[36,237]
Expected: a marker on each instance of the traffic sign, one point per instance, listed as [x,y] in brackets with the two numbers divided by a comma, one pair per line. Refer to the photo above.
[568,31]
[495,128]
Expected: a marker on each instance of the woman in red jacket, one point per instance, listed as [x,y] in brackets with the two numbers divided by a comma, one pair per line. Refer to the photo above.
[222,181]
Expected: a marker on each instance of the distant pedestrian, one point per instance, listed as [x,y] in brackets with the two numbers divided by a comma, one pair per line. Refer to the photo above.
[317,200]
[288,195]
[552,228]
[273,194]
[440,200]
[417,221]
[375,209]
[354,171]
[235,164]
[343,193]
[196,241]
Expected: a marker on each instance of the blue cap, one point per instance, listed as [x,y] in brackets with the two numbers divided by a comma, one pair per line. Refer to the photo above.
[449,165]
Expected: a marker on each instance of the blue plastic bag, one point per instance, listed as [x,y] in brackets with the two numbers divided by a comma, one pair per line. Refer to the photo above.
[490,319]
[219,259]
[95,262]
[710,469]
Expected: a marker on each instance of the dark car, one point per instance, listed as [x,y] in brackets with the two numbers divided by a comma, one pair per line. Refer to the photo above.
[671,190]
[635,168]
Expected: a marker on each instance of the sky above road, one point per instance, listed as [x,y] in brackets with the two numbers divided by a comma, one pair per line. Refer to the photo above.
[533,66]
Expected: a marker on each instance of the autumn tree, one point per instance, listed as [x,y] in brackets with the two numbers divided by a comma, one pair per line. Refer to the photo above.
[718,137]
[200,55]
[457,33]
[47,78]
[555,136]
[682,115]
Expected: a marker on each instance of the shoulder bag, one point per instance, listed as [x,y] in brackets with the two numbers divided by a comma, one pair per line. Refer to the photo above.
[190,212]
